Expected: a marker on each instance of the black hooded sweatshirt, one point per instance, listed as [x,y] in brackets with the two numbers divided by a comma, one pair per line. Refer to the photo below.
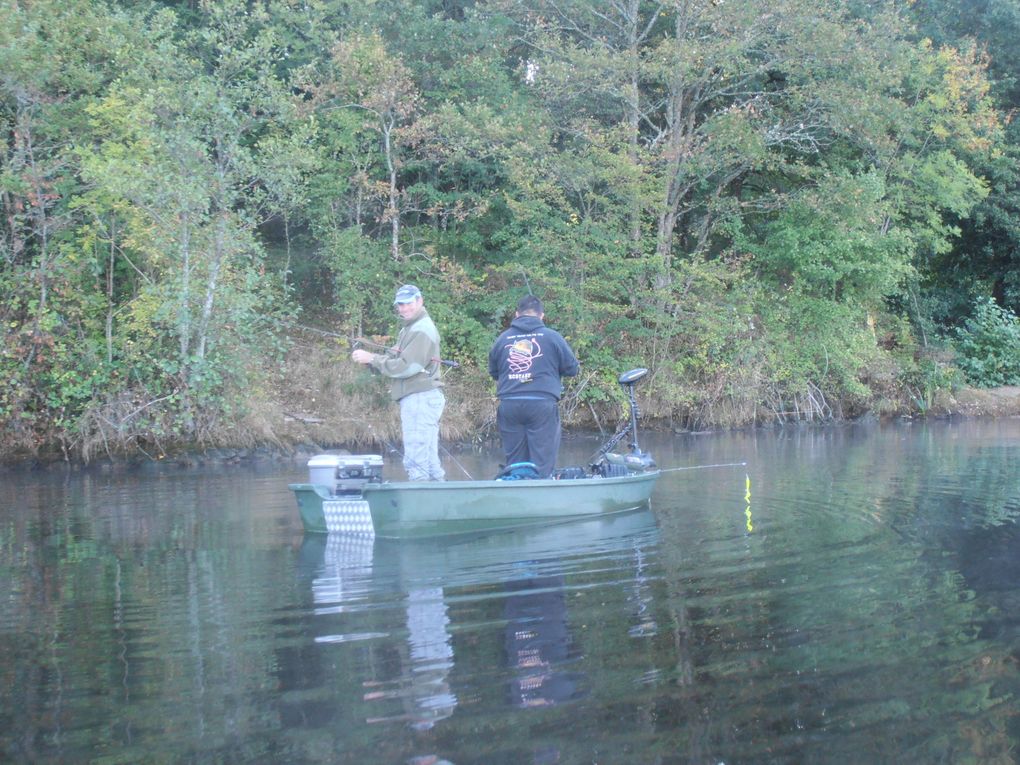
[528,360]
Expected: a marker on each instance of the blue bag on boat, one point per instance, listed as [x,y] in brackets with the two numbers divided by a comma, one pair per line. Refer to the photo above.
[518,471]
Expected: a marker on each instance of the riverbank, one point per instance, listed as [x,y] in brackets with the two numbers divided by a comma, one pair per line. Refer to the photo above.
[319,400]
[979,402]
[319,423]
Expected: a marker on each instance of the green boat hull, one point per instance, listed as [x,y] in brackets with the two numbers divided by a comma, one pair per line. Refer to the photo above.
[397,509]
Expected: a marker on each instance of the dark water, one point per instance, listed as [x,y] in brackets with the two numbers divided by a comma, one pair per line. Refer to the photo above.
[860,605]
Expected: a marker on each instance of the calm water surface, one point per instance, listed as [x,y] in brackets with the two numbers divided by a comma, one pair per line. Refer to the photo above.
[851,595]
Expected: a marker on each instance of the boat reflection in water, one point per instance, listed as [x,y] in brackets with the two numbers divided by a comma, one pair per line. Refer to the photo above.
[412,685]
[401,610]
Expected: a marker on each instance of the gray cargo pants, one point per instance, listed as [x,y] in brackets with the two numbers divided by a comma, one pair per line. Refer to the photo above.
[419,421]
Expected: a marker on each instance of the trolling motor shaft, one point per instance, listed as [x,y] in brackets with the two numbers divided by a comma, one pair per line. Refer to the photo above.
[627,380]
[635,459]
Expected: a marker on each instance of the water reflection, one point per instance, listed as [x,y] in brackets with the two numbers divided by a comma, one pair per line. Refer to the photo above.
[431,657]
[869,616]
[405,601]
[538,643]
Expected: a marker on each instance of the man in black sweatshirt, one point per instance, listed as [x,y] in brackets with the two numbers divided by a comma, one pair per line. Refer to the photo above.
[527,362]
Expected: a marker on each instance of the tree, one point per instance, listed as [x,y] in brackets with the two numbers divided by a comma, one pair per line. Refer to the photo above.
[364,76]
[761,127]
[55,59]
[178,143]
[985,259]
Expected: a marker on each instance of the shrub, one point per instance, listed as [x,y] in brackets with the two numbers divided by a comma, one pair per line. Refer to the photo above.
[988,345]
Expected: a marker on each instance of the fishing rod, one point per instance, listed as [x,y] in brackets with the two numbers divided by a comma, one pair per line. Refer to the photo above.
[393,449]
[526,282]
[354,342]
[701,467]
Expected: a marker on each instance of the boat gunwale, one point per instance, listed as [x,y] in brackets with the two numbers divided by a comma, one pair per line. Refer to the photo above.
[490,483]
[486,483]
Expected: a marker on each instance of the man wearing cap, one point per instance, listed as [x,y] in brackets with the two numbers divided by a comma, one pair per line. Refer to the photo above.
[527,362]
[413,368]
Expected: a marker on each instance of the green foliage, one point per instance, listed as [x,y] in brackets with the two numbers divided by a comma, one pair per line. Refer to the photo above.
[361,271]
[465,339]
[932,376]
[827,242]
[136,280]
[727,193]
[817,350]
[988,346]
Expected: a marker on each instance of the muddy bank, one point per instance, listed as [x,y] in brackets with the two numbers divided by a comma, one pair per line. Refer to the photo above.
[978,402]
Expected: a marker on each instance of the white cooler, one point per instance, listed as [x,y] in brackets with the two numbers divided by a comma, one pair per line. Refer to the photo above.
[345,473]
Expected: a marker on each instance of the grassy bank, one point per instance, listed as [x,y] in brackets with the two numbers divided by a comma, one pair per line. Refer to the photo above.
[319,399]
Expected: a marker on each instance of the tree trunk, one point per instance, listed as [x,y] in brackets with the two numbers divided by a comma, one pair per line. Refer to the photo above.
[392,210]
[109,292]
[184,307]
[634,116]
[219,255]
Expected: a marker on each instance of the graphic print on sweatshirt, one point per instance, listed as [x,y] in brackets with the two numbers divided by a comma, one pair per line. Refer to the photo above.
[522,355]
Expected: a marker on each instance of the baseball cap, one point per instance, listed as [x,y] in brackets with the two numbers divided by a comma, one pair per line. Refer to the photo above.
[407,294]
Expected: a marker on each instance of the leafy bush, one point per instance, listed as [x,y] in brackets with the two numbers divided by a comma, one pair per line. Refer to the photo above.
[927,377]
[989,346]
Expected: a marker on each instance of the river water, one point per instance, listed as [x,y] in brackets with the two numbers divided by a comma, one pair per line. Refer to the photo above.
[850,595]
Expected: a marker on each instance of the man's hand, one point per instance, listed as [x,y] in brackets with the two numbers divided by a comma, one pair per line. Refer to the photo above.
[361,356]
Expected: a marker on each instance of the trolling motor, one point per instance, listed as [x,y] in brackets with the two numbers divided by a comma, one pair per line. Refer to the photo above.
[607,463]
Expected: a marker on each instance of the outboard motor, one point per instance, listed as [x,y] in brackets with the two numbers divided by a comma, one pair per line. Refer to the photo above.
[345,474]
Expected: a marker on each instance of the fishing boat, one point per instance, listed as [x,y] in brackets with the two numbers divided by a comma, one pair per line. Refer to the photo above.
[346,493]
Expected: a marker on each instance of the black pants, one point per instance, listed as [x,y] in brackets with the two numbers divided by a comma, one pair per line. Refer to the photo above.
[530,432]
